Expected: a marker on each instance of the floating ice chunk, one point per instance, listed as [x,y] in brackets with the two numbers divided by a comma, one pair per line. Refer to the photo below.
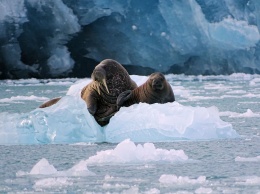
[83,144]
[249,159]
[248,113]
[132,190]
[13,135]
[23,98]
[167,122]
[117,185]
[52,182]
[251,180]
[203,190]
[69,121]
[79,169]
[43,168]
[152,191]
[173,179]
[128,152]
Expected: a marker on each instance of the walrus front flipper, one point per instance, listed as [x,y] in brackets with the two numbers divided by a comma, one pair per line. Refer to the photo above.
[91,98]
[123,97]
[50,102]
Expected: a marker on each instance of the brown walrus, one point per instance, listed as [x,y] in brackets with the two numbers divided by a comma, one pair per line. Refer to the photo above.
[155,90]
[109,79]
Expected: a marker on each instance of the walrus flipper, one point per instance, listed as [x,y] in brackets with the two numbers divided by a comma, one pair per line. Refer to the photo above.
[50,102]
[91,99]
[123,97]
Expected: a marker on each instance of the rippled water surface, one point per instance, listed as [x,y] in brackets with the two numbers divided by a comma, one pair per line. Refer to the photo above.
[208,166]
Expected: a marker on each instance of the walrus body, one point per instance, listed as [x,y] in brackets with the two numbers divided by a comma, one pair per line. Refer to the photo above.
[109,80]
[155,90]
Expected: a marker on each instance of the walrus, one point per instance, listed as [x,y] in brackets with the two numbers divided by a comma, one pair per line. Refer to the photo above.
[109,79]
[155,90]
[50,102]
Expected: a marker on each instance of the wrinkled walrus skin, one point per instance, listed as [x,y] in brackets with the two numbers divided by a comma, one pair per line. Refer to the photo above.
[155,90]
[109,79]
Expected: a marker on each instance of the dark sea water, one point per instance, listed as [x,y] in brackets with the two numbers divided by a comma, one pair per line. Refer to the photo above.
[230,165]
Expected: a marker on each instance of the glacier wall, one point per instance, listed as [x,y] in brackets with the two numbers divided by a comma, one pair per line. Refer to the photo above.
[45,38]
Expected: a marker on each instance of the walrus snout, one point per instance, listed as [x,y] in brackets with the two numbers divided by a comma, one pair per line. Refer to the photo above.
[99,75]
[157,84]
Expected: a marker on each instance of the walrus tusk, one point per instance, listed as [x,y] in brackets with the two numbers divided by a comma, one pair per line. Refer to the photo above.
[98,89]
[105,84]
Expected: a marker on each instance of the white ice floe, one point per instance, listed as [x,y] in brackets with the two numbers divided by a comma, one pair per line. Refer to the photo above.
[248,113]
[125,152]
[173,179]
[203,190]
[167,122]
[23,98]
[37,82]
[248,180]
[52,182]
[69,121]
[128,152]
[43,167]
[247,159]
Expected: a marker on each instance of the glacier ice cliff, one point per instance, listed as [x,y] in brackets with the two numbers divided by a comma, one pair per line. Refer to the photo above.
[45,38]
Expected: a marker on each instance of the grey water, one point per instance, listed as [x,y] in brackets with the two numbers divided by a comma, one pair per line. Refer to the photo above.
[228,165]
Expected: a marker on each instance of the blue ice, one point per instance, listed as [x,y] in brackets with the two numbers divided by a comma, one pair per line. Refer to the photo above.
[69,121]
[185,36]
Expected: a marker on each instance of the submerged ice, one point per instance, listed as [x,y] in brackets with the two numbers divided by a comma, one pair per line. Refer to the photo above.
[47,38]
[69,121]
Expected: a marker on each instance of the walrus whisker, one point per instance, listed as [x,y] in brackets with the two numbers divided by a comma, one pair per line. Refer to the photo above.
[105,84]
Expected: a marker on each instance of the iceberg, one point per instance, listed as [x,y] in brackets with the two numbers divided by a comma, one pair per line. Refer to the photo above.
[127,152]
[69,121]
[63,38]
[43,168]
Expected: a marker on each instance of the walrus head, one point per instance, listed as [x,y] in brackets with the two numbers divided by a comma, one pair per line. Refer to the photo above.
[99,76]
[157,80]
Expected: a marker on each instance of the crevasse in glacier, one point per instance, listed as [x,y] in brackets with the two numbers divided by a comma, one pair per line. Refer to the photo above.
[68,38]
